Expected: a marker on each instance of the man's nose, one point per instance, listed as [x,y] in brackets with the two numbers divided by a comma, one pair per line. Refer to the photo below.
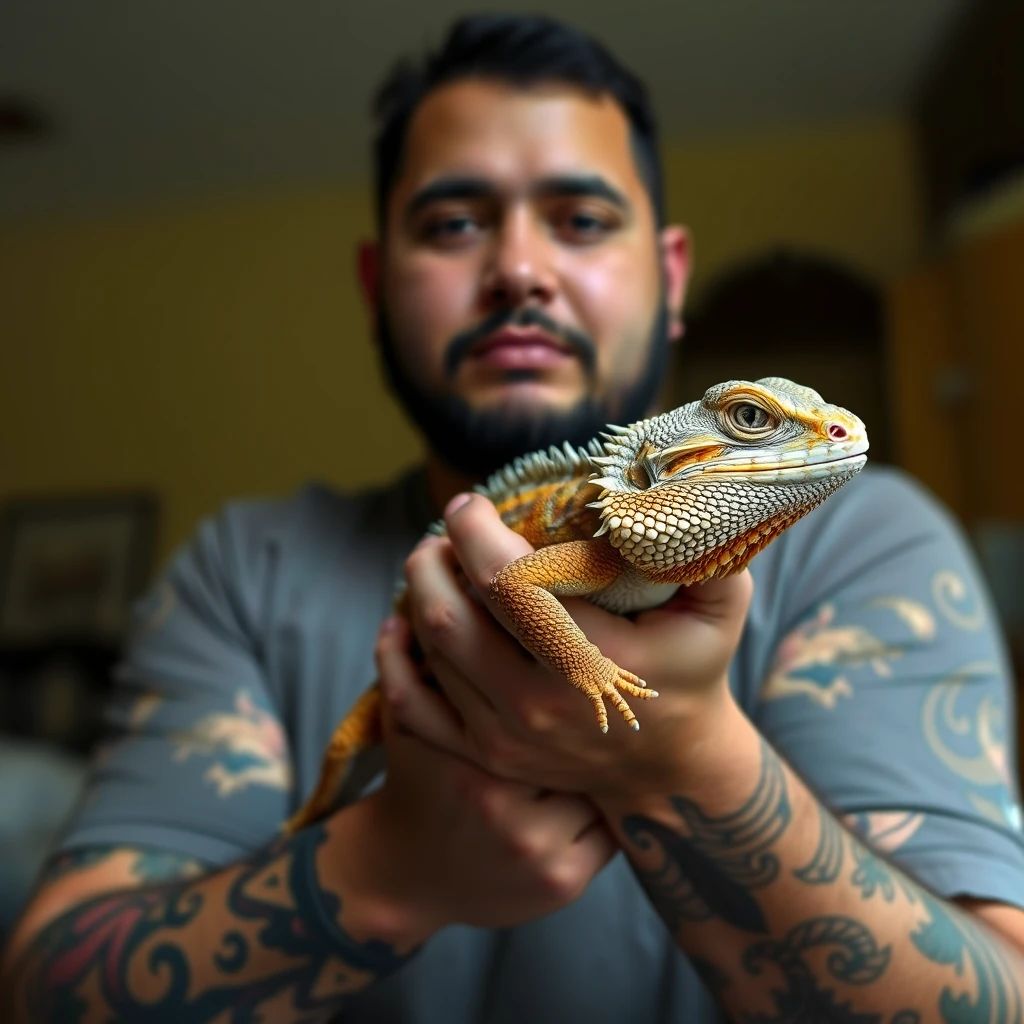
[520,265]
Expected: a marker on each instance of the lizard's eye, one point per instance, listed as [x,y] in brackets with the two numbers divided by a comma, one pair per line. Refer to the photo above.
[638,476]
[749,419]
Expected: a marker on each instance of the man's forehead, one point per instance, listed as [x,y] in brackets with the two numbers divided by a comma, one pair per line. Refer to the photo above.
[511,136]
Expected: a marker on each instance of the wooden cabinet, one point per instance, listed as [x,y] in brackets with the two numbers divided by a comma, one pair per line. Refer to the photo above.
[956,365]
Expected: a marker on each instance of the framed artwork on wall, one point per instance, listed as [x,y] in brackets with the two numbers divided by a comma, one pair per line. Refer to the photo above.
[71,566]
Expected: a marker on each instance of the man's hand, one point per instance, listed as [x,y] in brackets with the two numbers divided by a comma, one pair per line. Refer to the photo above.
[452,844]
[519,719]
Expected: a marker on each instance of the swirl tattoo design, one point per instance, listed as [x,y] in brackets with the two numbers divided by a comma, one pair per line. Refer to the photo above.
[223,947]
[708,866]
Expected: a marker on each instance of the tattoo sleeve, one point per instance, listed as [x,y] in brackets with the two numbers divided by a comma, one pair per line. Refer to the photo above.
[790,917]
[262,940]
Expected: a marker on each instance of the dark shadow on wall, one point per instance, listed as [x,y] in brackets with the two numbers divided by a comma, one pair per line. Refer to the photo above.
[791,314]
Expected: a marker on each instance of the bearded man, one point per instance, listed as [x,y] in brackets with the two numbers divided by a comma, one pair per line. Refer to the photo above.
[818,821]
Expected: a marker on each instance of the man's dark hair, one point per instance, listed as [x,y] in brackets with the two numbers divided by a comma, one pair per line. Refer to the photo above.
[522,51]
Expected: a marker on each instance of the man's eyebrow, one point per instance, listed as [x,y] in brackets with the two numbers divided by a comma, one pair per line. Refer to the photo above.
[450,188]
[583,186]
[578,185]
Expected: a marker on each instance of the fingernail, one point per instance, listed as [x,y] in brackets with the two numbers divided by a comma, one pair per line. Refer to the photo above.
[455,504]
[390,624]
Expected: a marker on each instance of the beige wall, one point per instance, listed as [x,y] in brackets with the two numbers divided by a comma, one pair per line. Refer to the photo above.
[222,350]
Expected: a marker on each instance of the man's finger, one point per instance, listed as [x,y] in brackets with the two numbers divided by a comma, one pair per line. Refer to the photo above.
[458,636]
[594,849]
[413,705]
[447,621]
[721,601]
[714,598]
[483,543]
[700,628]
[575,816]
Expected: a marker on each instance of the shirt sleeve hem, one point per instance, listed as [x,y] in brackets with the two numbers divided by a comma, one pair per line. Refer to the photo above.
[211,850]
[983,878]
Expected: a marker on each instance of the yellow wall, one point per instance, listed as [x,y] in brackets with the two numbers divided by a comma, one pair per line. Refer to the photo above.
[850,190]
[222,350]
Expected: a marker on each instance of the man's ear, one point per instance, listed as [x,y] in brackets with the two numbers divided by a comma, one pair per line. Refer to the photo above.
[676,254]
[368,262]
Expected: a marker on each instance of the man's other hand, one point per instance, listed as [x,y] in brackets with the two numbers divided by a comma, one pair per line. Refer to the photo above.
[453,844]
[519,719]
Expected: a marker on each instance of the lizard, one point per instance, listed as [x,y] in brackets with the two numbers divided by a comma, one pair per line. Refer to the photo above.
[624,521]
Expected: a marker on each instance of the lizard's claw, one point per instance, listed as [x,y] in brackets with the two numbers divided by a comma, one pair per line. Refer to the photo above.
[601,678]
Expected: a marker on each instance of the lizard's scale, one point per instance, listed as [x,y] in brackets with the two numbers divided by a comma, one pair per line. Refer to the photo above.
[675,499]
[544,496]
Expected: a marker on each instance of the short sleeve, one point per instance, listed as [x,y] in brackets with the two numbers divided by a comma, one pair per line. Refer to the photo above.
[195,759]
[890,690]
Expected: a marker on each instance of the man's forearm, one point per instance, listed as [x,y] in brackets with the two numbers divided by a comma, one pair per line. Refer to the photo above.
[277,936]
[789,917]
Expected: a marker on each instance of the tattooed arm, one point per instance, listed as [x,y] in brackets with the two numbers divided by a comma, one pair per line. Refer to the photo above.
[313,918]
[790,917]
[127,934]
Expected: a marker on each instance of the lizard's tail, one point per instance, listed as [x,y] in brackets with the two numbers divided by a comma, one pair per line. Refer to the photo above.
[360,729]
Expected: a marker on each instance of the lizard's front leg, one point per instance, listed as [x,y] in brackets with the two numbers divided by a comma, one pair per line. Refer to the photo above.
[527,590]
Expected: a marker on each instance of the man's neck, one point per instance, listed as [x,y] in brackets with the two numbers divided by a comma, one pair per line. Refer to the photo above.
[443,482]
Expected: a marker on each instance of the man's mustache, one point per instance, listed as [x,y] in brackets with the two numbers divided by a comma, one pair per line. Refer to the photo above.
[579,343]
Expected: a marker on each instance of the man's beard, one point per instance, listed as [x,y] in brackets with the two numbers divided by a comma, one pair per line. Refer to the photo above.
[477,442]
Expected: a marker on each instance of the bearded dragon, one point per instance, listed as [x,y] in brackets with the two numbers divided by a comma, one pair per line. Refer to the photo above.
[687,496]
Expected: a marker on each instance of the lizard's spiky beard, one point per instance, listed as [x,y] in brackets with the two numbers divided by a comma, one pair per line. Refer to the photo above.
[479,441]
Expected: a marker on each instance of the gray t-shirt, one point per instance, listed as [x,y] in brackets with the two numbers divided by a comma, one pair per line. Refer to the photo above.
[870,659]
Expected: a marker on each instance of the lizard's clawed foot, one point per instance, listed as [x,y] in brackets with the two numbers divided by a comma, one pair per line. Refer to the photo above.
[601,679]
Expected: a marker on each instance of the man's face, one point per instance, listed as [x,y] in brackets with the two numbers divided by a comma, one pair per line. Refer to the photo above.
[523,288]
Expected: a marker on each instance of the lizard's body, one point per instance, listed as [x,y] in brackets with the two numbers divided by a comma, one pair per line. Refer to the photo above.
[676,499]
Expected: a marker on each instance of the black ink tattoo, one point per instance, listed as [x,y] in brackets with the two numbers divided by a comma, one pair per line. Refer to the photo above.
[946,939]
[872,874]
[715,980]
[824,867]
[858,960]
[707,866]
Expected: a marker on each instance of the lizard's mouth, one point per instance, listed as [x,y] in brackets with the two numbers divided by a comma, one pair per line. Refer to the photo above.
[805,469]
[795,464]
[645,469]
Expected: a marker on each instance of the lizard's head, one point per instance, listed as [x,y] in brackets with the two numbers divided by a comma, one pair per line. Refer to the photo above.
[723,474]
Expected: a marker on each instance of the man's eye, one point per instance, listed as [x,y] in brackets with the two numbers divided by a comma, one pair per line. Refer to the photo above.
[587,222]
[581,225]
[450,228]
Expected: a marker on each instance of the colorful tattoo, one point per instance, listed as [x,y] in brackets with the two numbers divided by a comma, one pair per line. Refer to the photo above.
[147,865]
[259,938]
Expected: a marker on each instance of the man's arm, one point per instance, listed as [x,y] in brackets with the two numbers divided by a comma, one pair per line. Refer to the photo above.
[313,918]
[790,917]
[126,934]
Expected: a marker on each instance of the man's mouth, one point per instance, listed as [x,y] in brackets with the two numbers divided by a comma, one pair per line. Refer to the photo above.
[520,348]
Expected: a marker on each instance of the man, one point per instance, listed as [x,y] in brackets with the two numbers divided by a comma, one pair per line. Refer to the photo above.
[514,864]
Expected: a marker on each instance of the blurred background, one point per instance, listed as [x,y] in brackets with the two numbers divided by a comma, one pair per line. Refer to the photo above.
[182,187]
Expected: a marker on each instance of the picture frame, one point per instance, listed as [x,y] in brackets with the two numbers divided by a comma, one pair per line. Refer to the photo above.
[71,566]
